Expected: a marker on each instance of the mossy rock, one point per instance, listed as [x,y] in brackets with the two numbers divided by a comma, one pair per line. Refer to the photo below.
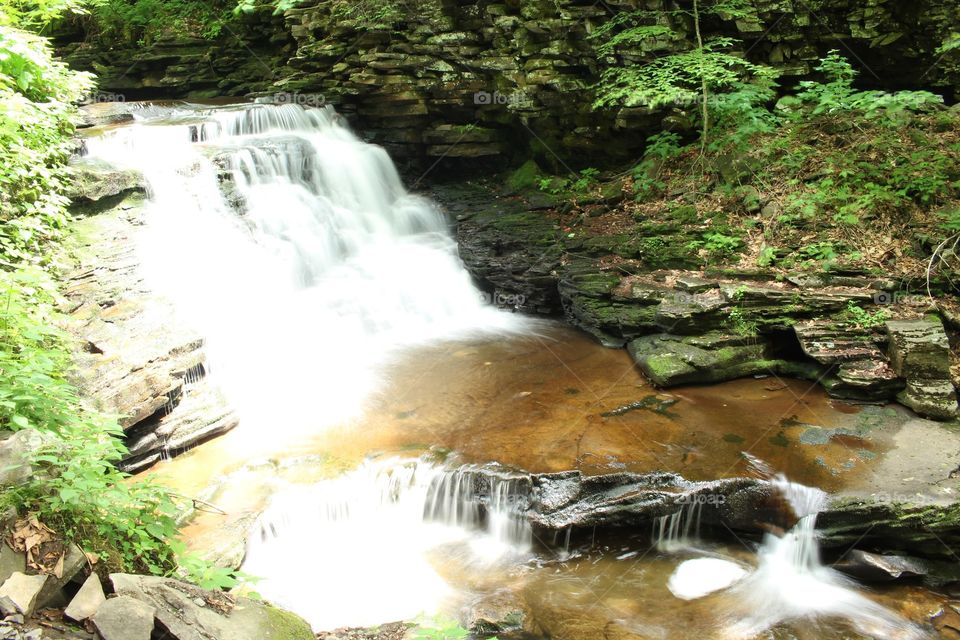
[672,360]
[524,177]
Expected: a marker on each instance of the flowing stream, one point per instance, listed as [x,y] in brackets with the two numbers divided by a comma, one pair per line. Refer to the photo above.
[311,272]
[308,270]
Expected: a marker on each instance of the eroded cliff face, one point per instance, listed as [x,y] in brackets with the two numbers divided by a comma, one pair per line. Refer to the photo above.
[499,80]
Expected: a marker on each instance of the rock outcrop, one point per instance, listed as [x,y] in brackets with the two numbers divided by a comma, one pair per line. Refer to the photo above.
[487,80]
[187,612]
[695,325]
[136,360]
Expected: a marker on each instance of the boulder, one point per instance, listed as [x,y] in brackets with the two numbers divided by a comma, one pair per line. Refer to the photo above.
[936,399]
[188,612]
[501,612]
[920,353]
[880,568]
[74,560]
[94,180]
[16,452]
[135,359]
[124,618]
[569,499]
[23,590]
[670,360]
[11,562]
[87,601]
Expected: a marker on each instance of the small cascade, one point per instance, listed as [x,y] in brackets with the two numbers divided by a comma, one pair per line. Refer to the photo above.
[385,519]
[477,498]
[790,583]
[678,530]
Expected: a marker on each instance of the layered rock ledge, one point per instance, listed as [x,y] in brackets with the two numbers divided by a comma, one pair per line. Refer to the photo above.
[852,333]
[135,358]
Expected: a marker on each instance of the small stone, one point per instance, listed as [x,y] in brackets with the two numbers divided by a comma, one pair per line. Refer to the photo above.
[124,618]
[10,562]
[85,604]
[23,590]
[7,607]
[16,618]
[52,596]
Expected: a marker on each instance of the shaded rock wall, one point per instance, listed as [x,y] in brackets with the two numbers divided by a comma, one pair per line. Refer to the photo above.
[247,58]
[477,79]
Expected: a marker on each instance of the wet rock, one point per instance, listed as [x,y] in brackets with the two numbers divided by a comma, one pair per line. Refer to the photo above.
[23,590]
[87,601]
[920,353]
[136,359]
[930,398]
[562,501]
[880,568]
[187,612]
[915,528]
[124,618]
[514,251]
[590,302]
[714,357]
[498,613]
[94,180]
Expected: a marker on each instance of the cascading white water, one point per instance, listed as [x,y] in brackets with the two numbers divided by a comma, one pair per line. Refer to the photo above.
[678,530]
[790,583]
[329,268]
[356,550]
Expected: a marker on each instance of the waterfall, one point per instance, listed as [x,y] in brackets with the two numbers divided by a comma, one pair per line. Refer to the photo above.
[296,251]
[373,532]
[678,530]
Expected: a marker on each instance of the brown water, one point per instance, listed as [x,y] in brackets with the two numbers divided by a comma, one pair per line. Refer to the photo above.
[539,404]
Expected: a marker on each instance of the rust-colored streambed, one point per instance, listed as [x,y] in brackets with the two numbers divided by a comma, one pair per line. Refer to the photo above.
[558,402]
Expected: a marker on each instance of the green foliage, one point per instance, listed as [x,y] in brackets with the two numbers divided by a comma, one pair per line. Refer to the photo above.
[376,14]
[838,95]
[36,15]
[950,44]
[279,6]
[144,21]
[741,114]
[720,244]
[863,319]
[440,629]
[207,576]
[683,78]
[951,221]
[767,257]
[36,121]
[579,184]
[740,324]
[661,147]
[676,79]
[77,490]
